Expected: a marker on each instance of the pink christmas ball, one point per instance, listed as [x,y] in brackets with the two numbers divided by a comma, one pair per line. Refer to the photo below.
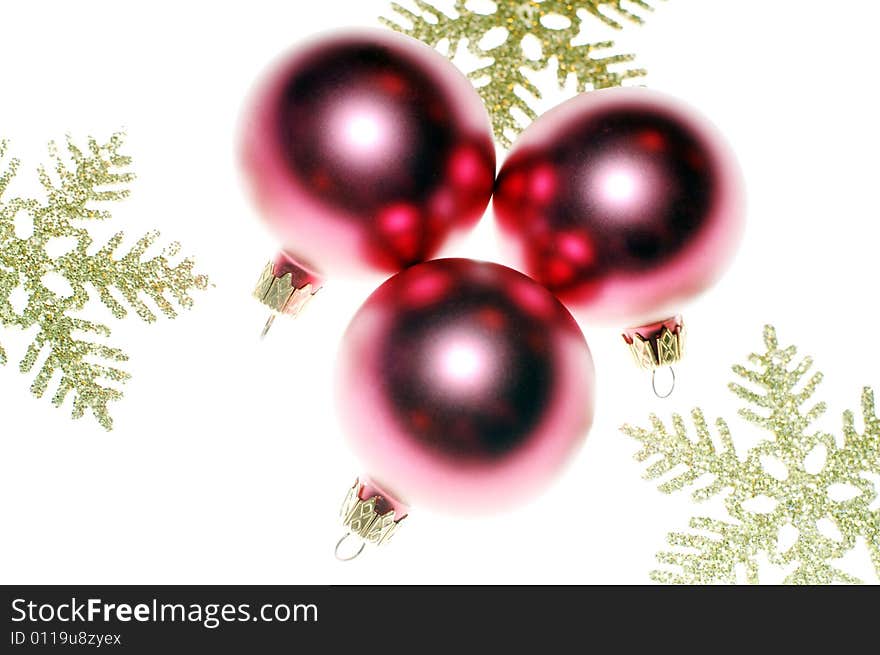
[464,385]
[623,202]
[367,149]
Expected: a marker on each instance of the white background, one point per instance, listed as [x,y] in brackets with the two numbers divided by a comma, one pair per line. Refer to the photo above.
[227,465]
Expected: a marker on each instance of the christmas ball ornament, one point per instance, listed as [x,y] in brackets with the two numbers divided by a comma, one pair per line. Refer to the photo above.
[364,150]
[625,204]
[463,385]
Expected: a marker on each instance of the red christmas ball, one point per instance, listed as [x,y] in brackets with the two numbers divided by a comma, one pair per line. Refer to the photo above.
[623,202]
[367,149]
[464,385]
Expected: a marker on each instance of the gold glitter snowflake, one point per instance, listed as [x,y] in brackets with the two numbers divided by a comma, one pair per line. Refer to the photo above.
[827,509]
[554,24]
[77,184]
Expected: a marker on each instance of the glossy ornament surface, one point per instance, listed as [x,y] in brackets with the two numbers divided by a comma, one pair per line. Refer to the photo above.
[464,385]
[367,149]
[623,202]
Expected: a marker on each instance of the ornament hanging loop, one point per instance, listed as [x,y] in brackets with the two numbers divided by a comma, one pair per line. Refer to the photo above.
[340,552]
[268,326]
[658,346]
[671,388]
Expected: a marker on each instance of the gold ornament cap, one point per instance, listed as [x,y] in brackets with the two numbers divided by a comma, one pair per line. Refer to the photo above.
[657,345]
[286,285]
[370,514]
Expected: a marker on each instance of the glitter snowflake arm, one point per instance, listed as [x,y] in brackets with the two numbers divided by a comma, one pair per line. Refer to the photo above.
[131,275]
[502,82]
[78,187]
[8,278]
[694,459]
[430,25]
[604,10]
[594,72]
[777,406]
[496,81]
[8,170]
[68,355]
[860,454]
[712,555]
[98,175]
